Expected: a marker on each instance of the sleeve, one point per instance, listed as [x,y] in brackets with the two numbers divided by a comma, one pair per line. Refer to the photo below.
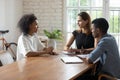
[99,50]
[74,33]
[24,47]
[21,51]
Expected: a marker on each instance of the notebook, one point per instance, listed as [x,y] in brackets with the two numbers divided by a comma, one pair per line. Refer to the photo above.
[71,60]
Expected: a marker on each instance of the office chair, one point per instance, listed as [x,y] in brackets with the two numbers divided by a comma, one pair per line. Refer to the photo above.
[102,75]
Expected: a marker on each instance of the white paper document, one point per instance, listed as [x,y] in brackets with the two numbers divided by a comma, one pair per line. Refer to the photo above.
[66,52]
[71,60]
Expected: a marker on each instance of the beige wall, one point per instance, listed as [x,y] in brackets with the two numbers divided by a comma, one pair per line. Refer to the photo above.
[49,14]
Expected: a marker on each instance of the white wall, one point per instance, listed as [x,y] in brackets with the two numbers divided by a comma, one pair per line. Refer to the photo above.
[11,11]
[2,14]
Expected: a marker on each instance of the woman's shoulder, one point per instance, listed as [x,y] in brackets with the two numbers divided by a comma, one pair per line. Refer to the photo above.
[77,31]
[23,37]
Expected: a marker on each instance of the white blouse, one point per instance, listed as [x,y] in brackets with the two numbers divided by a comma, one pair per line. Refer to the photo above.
[27,43]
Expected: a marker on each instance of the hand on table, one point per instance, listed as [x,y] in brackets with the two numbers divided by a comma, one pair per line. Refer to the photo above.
[49,50]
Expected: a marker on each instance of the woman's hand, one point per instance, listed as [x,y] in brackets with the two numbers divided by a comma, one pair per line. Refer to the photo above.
[49,50]
[70,50]
[85,51]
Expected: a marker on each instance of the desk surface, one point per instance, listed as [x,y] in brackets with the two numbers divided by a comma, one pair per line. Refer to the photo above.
[42,68]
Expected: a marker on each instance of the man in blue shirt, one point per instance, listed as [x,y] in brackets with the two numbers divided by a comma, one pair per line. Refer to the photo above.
[106,49]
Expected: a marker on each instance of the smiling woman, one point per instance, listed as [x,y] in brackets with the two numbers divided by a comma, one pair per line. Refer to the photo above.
[82,36]
[29,44]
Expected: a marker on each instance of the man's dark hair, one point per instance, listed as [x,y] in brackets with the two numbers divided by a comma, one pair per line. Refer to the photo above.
[25,21]
[102,24]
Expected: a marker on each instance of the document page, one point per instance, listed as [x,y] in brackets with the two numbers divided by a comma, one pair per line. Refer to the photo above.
[67,53]
[71,60]
[83,55]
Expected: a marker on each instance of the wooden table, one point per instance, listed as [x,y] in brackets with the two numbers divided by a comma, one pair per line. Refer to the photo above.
[42,68]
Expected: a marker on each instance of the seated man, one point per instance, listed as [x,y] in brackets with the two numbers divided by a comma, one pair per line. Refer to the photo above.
[106,49]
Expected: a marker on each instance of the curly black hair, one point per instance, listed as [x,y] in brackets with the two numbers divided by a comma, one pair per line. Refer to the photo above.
[25,21]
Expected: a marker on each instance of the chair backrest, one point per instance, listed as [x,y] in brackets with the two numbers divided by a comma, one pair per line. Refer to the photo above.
[11,47]
[6,58]
[101,75]
[106,76]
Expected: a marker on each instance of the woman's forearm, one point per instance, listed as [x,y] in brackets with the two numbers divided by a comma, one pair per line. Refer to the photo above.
[34,54]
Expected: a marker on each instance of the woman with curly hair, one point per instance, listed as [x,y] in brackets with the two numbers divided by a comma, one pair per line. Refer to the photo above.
[29,44]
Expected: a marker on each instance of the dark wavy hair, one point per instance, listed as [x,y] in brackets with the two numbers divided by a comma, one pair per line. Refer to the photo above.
[25,22]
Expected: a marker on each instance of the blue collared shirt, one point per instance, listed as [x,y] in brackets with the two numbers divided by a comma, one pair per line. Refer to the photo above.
[107,51]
